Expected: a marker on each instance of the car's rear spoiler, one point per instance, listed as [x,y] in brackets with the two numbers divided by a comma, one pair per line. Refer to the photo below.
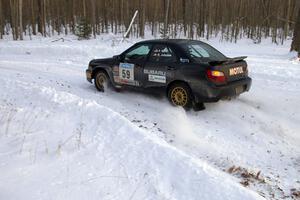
[228,60]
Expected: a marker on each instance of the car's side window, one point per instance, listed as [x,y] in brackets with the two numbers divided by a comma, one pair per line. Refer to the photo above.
[162,53]
[197,51]
[138,53]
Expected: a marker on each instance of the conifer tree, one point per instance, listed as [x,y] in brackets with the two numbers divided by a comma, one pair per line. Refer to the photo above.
[83,29]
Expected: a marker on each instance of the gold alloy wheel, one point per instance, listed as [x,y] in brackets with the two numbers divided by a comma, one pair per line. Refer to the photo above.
[100,80]
[179,96]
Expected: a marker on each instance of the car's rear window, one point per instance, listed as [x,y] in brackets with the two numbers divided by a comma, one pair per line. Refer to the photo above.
[203,52]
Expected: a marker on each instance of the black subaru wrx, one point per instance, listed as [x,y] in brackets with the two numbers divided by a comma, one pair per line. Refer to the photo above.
[190,71]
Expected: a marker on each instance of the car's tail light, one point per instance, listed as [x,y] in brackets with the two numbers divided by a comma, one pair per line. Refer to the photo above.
[216,76]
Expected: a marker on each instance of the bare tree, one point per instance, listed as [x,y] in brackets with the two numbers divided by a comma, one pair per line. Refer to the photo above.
[296,38]
[142,18]
[166,24]
[21,19]
[1,21]
[13,19]
[230,19]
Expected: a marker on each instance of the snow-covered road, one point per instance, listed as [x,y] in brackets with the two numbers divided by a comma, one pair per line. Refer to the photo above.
[61,139]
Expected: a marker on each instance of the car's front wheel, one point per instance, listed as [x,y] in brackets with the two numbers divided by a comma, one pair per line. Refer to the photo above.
[180,94]
[101,81]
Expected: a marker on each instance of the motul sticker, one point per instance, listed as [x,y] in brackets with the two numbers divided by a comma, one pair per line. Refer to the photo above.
[236,71]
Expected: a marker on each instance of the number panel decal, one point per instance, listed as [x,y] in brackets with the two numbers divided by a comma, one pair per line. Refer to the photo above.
[126,71]
[124,74]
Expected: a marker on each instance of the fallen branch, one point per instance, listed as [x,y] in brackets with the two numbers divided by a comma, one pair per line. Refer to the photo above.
[285,20]
[130,25]
[62,39]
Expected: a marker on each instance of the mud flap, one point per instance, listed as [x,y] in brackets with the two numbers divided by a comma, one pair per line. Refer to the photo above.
[198,106]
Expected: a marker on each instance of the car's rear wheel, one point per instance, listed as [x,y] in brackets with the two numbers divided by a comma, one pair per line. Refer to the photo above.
[180,94]
[101,81]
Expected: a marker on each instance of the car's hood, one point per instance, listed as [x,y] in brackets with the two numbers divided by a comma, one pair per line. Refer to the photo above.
[106,61]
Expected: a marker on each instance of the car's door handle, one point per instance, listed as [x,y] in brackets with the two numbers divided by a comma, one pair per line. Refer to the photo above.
[170,68]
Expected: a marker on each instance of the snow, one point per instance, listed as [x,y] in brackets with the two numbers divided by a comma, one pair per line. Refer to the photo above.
[61,139]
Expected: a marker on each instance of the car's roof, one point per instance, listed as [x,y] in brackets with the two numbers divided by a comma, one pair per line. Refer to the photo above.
[169,41]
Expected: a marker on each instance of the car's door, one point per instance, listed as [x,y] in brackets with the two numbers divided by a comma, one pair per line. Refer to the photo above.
[130,68]
[160,67]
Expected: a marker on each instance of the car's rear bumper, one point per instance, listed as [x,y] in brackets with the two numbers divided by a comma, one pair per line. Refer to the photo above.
[211,93]
[89,75]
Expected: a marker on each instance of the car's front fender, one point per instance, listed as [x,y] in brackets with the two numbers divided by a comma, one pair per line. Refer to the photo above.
[106,68]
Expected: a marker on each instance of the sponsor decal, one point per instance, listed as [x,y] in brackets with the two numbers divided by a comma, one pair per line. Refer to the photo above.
[157,78]
[117,79]
[126,71]
[115,71]
[116,68]
[89,75]
[129,82]
[184,60]
[154,72]
[124,74]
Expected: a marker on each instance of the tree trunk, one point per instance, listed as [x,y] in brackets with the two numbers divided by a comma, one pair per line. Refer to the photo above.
[20,19]
[40,17]
[13,19]
[44,17]
[93,5]
[84,9]
[166,23]
[287,20]
[1,21]
[296,38]
[33,22]
[142,19]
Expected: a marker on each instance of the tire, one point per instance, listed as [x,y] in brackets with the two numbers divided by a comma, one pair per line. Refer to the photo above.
[101,81]
[180,94]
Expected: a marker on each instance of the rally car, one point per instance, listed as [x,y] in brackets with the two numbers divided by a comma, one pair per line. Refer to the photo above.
[191,72]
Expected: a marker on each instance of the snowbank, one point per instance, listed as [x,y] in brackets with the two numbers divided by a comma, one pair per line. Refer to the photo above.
[60,139]
[60,146]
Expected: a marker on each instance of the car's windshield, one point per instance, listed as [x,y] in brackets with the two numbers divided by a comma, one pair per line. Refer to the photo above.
[203,52]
